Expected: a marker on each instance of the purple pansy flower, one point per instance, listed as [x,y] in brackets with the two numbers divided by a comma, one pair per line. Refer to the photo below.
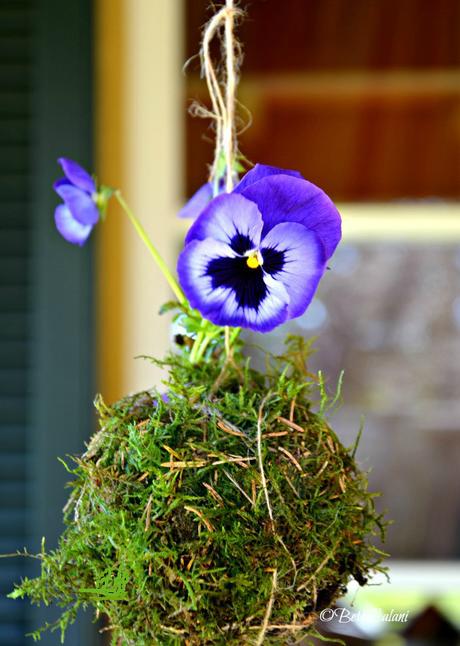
[197,202]
[75,218]
[200,200]
[254,257]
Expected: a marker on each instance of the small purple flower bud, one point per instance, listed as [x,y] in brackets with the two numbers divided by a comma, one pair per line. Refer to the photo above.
[200,200]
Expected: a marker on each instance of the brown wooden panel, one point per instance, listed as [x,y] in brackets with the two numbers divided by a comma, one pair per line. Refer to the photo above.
[360,147]
[362,96]
[305,35]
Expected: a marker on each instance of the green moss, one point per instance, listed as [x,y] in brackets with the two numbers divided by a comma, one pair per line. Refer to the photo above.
[229,514]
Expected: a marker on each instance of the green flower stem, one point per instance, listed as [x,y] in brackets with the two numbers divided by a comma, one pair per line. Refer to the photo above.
[202,348]
[234,335]
[153,250]
[205,342]
[196,345]
[203,339]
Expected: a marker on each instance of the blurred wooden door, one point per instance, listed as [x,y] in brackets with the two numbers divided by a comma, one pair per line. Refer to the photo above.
[362,96]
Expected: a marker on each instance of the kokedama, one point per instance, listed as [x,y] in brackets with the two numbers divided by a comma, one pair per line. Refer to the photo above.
[224,510]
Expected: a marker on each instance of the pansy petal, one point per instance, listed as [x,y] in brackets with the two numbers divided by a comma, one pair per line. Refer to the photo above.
[231,219]
[80,203]
[281,198]
[77,175]
[219,300]
[69,228]
[197,203]
[260,171]
[192,267]
[294,256]
[272,311]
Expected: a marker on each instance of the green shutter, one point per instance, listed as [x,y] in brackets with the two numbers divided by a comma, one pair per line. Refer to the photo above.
[46,364]
[16,37]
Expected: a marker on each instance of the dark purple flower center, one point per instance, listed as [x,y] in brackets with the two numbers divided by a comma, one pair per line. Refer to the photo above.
[247,283]
[273,260]
[241,243]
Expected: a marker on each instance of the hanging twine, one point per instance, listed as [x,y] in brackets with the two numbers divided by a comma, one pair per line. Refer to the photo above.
[222,83]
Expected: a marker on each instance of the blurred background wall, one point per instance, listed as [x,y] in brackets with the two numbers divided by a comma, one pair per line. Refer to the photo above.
[362,96]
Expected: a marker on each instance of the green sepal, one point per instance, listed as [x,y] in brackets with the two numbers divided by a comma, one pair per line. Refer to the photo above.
[102,198]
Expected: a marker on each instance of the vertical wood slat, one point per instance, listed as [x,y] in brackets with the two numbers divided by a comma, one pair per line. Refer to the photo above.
[139,62]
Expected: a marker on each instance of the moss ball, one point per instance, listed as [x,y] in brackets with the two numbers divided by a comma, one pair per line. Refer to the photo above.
[224,513]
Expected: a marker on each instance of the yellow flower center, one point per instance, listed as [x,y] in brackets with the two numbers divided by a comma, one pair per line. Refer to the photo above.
[254,260]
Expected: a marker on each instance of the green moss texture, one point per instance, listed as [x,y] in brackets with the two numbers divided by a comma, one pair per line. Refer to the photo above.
[227,512]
